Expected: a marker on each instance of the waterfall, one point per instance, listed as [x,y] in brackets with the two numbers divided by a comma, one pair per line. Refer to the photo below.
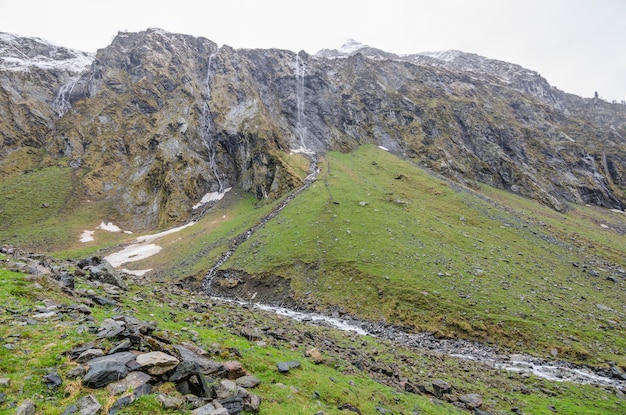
[301,130]
[61,103]
[206,125]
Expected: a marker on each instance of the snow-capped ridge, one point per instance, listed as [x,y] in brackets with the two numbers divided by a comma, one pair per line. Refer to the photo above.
[21,53]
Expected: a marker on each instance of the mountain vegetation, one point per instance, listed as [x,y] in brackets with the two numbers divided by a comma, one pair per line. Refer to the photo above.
[455,223]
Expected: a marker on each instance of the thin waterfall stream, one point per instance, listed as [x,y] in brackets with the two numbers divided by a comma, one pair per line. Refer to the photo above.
[206,125]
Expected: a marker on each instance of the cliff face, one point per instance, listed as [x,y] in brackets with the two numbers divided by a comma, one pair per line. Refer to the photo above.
[158,119]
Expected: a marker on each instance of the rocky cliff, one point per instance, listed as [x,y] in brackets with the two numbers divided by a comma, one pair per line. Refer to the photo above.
[156,120]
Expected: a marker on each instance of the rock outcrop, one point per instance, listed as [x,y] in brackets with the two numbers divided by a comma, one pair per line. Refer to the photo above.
[156,120]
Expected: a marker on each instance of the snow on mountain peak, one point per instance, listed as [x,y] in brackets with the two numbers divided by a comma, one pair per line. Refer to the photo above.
[351,46]
[20,53]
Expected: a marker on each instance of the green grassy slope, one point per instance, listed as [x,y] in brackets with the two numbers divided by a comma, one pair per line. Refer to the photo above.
[378,237]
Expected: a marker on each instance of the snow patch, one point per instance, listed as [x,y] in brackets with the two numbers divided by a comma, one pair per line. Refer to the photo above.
[137,273]
[383,148]
[210,197]
[108,227]
[131,253]
[87,236]
[301,150]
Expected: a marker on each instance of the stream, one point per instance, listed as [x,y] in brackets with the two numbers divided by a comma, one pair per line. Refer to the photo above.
[559,371]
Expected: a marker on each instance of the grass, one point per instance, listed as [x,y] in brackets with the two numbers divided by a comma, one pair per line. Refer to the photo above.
[39,348]
[382,239]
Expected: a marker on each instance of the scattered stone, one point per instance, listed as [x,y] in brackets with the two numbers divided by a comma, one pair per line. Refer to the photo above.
[441,388]
[284,367]
[207,366]
[107,369]
[88,405]
[122,346]
[27,407]
[471,400]
[52,380]
[212,408]
[131,382]
[225,389]
[233,405]
[234,370]
[248,381]
[5,382]
[315,355]
[76,372]
[349,407]
[89,354]
[72,409]
[170,402]
[157,363]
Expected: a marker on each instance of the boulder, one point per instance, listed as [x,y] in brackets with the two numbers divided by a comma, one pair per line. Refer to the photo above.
[157,363]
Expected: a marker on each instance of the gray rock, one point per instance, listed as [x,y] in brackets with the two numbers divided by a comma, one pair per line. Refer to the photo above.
[132,381]
[53,380]
[89,354]
[209,409]
[72,409]
[248,381]
[27,407]
[157,363]
[207,366]
[441,388]
[234,405]
[88,405]
[107,369]
[225,389]
[284,367]
[76,372]
[170,402]
[122,346]
[471,400]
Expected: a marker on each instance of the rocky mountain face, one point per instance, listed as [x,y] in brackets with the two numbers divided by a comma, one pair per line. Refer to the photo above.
[156,120]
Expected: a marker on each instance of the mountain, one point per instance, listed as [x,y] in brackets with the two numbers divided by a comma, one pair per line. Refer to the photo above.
[392,197]
[156,120]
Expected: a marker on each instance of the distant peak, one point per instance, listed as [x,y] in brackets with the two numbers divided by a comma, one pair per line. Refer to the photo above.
[351,46]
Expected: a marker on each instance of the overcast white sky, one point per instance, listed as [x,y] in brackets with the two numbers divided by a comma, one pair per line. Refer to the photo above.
[577,45]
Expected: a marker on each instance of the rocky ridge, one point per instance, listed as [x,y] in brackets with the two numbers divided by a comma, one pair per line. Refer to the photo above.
[160,119]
